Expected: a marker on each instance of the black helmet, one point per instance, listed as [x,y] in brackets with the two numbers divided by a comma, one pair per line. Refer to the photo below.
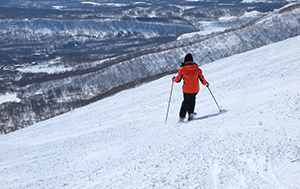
[188,57]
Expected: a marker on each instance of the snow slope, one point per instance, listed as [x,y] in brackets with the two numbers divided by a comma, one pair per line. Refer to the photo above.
[122,141]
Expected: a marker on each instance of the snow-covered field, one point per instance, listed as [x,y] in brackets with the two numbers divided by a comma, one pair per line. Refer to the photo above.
[123,142]
[9,97]
[209,27]
[53,66]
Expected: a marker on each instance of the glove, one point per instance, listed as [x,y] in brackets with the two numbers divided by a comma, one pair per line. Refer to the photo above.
[207,84]
[173,78]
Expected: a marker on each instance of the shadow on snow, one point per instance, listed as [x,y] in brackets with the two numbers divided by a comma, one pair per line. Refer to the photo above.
[210,115]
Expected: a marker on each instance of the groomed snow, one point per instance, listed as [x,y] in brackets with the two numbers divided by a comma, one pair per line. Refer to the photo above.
[123,142]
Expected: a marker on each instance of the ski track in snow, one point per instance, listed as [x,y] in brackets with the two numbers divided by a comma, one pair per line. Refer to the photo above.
[122,141]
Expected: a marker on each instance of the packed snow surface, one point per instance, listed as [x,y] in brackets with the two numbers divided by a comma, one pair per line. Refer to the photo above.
[123,141]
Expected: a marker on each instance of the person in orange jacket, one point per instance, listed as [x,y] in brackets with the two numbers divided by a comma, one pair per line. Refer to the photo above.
[191,74]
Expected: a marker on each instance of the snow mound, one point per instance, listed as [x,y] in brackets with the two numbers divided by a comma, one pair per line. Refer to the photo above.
[122,141]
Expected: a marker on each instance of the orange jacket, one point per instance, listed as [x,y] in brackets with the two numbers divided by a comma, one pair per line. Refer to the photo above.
[191,75]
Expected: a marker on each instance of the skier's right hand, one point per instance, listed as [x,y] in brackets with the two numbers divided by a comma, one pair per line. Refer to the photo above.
[207,84]
[173,78]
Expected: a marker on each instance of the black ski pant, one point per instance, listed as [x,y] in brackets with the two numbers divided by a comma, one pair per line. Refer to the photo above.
[188,104]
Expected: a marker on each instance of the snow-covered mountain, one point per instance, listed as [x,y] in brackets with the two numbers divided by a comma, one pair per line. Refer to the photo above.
[119,3]
[79,48]
[123,142]
[265,1]
[93,33]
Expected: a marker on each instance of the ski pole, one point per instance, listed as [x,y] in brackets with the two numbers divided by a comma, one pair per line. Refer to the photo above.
[169,101]
[214,98]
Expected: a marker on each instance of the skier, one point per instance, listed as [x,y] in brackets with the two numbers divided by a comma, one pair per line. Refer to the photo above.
[191,74]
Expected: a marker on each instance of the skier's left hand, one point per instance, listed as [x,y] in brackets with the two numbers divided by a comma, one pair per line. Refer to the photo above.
[207,84]
[173,78]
